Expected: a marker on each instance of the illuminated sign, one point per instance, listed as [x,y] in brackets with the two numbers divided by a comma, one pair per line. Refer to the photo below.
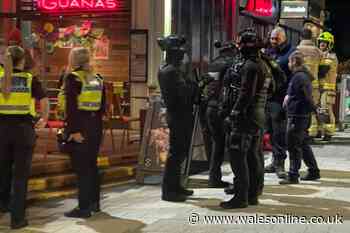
[66,6]
[266,10]
[260,7]
[294,9]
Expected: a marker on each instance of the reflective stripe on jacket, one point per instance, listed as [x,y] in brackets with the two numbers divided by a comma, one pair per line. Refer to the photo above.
[20,101]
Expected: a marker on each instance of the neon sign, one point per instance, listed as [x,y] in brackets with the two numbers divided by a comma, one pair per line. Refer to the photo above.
[260,7]
[66,6]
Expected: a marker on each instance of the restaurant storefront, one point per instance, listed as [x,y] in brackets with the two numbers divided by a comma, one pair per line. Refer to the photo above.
[49,29]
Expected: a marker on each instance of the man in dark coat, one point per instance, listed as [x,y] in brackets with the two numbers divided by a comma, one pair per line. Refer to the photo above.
[276,120]
[299,104]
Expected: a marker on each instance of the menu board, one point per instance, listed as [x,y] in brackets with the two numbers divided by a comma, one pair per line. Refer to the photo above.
[138,55]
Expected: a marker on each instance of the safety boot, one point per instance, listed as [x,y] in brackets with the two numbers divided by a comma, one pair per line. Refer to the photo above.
[230,190]
[289,180]
[280,171]
[270,168]
[186,192]
[311,175]
[234,203]
[174,197]
[218,184]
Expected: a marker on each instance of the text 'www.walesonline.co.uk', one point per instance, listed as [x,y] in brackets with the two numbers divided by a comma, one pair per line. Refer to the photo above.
[195,219]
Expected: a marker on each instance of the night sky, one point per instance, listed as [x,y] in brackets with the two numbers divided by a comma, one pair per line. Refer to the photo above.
[339,22]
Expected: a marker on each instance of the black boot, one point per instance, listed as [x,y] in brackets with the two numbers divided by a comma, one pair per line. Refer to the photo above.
[230,190]
[186,192]
[78,213]
[174,197]
[270,168]
[289,180]
[253,200]
[311,175]
[19,224]
[4,208]
[218,184]
[95,207]
[234,203]
[280,171]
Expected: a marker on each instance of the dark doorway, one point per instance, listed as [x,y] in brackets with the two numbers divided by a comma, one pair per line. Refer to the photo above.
[337,23]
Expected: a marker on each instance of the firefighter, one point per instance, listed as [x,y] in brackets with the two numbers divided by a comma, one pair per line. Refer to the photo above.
[84,103]
[327,80]
[19,89]
[247,119]
[178,92]
[312,58]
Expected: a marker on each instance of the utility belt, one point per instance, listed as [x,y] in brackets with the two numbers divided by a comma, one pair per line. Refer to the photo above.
[213,103]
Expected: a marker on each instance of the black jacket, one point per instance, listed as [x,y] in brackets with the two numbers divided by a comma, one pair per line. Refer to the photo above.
[256,80]
[176,90]
[300,101]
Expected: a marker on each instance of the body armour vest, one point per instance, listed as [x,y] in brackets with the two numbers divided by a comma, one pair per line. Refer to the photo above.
[20,101]
[90,98]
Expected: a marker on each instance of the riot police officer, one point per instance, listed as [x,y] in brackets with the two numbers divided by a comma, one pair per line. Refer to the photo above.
[216,73]
[178,93]
[247,118]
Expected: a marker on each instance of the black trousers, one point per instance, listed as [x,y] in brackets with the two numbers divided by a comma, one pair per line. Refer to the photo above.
[215,124]
[84,161]
[247,164]
[276,126]
[298,146]
[16,152]
[179,144]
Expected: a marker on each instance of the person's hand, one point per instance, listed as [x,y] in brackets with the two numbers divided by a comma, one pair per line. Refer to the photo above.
[41,124]
[76,137]
[285,101]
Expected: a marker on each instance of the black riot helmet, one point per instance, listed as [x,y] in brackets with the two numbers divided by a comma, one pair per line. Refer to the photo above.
[249,42]
[175,49]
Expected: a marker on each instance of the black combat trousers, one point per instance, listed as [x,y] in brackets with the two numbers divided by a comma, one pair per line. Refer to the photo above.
[246,162]
[180,128]
[84,161]
[16,152]
[298,146]
[276,126]
[215,124]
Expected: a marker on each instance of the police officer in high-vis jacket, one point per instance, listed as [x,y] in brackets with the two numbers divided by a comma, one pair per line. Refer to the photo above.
[83,101]
[19,89]
[327,82]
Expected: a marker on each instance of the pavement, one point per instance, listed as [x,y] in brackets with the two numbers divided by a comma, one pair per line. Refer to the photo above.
[134,208]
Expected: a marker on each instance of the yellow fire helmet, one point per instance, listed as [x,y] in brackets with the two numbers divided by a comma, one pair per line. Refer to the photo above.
[328,38]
